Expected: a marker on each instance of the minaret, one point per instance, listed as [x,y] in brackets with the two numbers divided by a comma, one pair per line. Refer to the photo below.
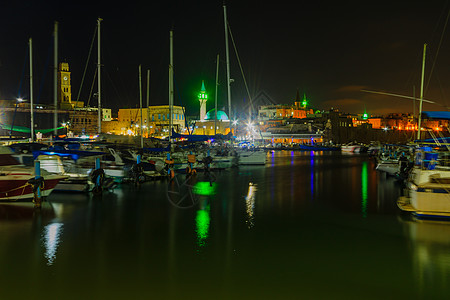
[305,101]
[202,97]
[365,115]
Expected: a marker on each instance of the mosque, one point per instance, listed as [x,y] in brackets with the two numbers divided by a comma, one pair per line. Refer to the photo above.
[207,121]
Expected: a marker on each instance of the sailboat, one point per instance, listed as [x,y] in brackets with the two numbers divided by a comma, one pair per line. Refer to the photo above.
[247,155]
[428,193]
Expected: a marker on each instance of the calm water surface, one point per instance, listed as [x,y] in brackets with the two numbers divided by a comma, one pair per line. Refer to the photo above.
[309,225]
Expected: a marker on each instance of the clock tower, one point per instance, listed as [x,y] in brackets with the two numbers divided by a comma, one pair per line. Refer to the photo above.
[65,89]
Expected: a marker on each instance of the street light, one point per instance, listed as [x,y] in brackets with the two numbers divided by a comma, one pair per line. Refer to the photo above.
[66,125]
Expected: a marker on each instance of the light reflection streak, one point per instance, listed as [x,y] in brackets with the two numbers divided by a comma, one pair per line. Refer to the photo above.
[250,203]
[202,221]
[273,158]
[292,158]
[364,189]
[52,237]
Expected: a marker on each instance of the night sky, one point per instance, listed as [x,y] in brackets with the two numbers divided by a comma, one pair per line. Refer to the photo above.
[328,50]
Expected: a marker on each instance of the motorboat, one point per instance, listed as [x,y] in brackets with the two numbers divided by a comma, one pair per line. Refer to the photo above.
[252,157]
[351,148]
[16,180]
[76,181]
[428,188]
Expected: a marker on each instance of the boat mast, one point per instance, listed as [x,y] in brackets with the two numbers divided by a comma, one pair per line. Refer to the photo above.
[228,62]
[171,85]
[421,91]
[99,80]
[148,102]
[55,79]
[30,42]
[140,107]
[217,86]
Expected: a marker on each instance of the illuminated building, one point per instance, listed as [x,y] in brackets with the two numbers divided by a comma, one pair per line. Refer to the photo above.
[282,111]
[203,97]
[207,125]
[157,123]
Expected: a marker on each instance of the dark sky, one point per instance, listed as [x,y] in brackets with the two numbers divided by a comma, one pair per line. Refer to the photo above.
[329,50]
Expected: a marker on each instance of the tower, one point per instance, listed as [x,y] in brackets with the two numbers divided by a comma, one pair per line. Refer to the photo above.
[305,101]
[65,89]
[202,97]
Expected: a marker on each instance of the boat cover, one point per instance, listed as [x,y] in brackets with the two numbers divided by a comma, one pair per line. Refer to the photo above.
[73,154]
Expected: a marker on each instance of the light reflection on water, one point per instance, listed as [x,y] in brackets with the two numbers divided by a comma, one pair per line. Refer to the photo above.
[295,227]
[364,189]
[51,240]
[250,203]
[430,255]
[202,221]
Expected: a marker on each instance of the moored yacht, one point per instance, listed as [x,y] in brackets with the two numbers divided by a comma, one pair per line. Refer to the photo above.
[428,188]
[16,180]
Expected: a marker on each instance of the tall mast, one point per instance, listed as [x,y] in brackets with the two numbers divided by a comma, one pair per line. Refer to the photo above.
[228,60]
[148,103]
[55,79]
[99,92]
[421,91]
[140,107]
[215,98]
[171,85]
[30,42]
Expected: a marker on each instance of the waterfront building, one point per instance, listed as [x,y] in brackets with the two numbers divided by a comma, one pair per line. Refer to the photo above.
[155,121]
[298,110]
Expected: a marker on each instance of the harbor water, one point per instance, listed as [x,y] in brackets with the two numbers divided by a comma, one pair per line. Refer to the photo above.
[308,225]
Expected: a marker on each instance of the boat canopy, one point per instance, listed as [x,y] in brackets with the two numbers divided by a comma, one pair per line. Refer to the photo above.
[443,115]
[73,154]
[198,137]
[440,140]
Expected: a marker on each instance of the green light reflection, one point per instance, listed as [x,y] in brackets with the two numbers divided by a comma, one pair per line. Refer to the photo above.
[202,221]
[205,188]
[364,189]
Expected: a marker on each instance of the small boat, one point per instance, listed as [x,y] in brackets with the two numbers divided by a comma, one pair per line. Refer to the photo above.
[252,157]
[351,148]
[389,166]
[16,180]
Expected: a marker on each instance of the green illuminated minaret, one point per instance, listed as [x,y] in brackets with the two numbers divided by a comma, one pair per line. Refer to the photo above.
[305,101]
[365,115]
[202,97]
